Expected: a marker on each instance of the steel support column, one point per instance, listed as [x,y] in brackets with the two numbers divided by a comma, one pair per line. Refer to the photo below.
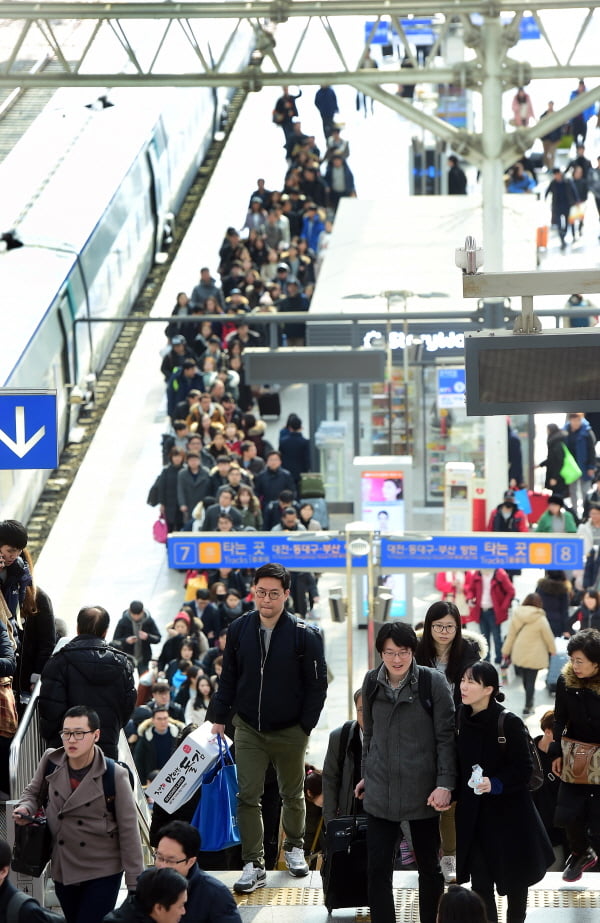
[492,170]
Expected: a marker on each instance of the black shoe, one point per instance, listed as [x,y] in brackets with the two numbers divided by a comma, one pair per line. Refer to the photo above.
[577,865]
[528,710]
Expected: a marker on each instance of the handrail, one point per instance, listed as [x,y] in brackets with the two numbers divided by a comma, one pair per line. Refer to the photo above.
[27,747]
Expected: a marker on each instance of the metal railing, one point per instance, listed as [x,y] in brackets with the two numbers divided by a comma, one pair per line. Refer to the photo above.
[27,747]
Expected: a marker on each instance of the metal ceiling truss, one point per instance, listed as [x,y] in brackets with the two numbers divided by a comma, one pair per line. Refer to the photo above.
[52,25]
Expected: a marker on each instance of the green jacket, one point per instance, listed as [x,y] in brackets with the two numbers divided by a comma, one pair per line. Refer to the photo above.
[545,522]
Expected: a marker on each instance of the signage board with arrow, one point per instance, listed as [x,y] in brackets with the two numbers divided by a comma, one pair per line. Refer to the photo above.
[28,429]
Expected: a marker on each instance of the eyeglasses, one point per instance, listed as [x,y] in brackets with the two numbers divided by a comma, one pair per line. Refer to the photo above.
[396,655]
[76,735]
[272,594]
[441,629]
[166,861]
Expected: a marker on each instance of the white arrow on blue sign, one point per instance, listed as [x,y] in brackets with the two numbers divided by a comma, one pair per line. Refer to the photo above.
[28,429]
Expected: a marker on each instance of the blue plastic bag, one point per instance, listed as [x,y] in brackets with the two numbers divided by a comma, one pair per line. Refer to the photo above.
[216,814]
[523,501]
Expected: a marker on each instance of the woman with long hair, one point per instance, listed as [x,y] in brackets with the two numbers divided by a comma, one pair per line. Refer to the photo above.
[500,838]
[587,615]
[444,646]
[248,504]
[201,692]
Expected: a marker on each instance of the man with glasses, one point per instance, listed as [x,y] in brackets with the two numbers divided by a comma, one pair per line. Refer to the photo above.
[92,841]
[208,899]
[274,681]
[408,768]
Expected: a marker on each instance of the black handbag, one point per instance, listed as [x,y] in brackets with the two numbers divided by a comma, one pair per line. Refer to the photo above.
[33,848]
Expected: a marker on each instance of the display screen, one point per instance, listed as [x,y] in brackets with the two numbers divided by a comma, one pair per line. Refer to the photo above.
[533,374]
[568,374]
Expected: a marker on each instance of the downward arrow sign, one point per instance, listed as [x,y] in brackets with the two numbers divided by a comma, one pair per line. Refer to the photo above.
[19,445]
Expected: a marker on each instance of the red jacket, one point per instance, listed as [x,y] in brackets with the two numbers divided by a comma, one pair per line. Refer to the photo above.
[501,591]
[517,522]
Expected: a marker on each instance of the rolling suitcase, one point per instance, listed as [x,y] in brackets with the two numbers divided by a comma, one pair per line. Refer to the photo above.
[557,662]
[311,485]
[344,869]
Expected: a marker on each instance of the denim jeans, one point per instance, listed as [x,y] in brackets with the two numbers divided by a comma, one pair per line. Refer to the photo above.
[489,630]
[89,901]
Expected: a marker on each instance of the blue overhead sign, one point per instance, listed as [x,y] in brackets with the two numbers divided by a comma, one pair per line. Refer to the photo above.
[295,550]
[28,429]
[466,552]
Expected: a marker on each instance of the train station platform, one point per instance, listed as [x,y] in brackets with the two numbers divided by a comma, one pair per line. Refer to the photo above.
[100,549]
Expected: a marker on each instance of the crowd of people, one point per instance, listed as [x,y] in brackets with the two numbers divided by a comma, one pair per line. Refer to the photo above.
[424,718]
[568,188]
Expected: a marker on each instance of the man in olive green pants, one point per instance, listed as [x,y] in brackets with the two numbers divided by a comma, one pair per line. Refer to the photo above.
[253,751]
[274,679]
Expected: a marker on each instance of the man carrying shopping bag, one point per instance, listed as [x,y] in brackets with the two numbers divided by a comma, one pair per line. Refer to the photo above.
[274,679]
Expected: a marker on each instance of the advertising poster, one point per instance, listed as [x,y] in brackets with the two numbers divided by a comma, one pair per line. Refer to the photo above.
[382,506]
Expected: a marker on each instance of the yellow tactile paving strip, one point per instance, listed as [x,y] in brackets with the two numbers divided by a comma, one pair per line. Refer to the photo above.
[407,902]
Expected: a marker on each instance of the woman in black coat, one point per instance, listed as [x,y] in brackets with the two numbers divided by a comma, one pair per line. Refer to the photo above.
[167,490]
[555,592]
[501,840]
[577,715]
[444,646]
[555,460]
[37,638]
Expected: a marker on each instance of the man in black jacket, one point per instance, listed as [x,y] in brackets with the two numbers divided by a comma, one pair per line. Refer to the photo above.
[88,671]
[274,479]
[208,899]
[275,680]
[135,634]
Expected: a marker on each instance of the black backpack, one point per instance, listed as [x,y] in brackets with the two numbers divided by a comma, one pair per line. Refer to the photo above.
[536,779]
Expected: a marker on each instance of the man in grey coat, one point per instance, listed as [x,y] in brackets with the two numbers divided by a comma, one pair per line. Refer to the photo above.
[409,768]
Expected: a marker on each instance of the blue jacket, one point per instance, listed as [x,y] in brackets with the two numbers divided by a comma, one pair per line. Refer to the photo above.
[311,230]
[326,102]
[581,443]
[16,582]
[276,690]
[179,386]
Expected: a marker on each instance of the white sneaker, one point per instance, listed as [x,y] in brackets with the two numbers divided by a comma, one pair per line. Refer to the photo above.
[250,879]
[449,869]
[296,863]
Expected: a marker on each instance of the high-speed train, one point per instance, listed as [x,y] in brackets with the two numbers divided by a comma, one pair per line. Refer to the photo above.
[88,192]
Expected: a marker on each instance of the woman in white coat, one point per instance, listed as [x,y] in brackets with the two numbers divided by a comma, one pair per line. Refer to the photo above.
[529,643]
